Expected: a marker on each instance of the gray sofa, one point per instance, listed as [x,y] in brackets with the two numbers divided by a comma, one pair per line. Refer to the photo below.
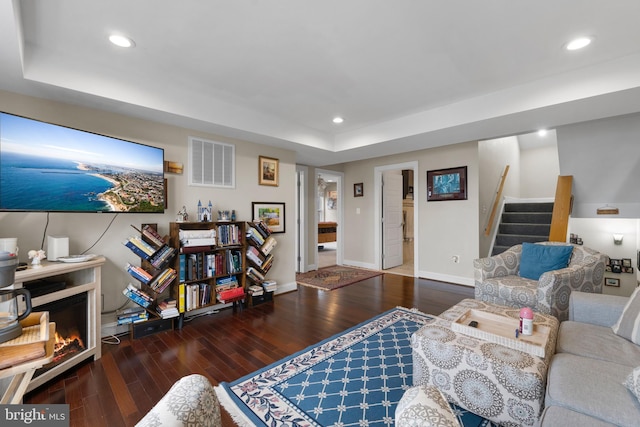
[586,375]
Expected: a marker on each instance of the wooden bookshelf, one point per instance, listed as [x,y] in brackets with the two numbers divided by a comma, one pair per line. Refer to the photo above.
[210,259]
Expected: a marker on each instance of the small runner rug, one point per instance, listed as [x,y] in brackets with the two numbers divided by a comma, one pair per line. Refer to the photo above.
[334,277]
[355,378]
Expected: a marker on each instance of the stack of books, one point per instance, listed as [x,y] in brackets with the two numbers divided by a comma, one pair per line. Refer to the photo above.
[132,315]
[256,290]
[168,308]
[137,296]
[163,254]
[152,235]
[269,285]
[198,238]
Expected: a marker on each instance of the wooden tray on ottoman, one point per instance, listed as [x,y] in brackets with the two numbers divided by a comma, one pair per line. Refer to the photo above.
[30,345]
[501,330]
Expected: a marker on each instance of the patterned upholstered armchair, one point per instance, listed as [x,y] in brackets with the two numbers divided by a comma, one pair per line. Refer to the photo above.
[497,280]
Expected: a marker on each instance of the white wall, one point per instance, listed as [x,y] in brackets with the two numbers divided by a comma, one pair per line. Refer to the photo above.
[493,156]
[539,165]
[85,229]
[446,228]
[604,158]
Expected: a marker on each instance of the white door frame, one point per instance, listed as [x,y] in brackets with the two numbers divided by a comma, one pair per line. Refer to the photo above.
[340,231]
[300,254]
[377,212]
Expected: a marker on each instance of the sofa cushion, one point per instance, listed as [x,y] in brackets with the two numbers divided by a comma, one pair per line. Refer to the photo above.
[628,325]
[592,387]
[596,342]
[633,382]
[425,406]
[538,259]
[554,416]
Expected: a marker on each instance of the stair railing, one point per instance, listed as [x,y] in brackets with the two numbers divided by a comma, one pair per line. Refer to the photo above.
[496,202]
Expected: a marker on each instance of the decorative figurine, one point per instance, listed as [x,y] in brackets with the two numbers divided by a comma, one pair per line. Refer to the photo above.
[36,256]
[182,215]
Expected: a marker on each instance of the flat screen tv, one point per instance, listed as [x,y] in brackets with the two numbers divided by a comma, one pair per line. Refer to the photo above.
[52,168]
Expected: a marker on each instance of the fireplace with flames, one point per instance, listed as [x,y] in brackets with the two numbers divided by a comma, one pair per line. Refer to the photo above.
[70,316]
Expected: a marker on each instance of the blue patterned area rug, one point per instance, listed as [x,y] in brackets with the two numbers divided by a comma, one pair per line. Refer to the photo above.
[355,378]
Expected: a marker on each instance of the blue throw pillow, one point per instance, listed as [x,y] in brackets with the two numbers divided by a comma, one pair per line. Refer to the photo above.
[538,259]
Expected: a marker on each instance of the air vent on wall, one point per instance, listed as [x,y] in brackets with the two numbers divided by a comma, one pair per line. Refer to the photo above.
[211,163]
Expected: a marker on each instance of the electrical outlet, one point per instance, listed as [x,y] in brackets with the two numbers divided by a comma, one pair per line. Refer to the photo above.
[455,258]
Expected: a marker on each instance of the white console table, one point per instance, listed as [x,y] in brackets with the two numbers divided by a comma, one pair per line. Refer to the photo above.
[79,277]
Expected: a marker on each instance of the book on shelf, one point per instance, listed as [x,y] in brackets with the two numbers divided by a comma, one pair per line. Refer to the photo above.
[255,274]
[162,255]
[132,315]
[152,235]
[269,285]
[268,245]
[230,294]
[197,237]
[138,296]
[179,296]
[142,245]
[160,283]
[139,273]
[256,290]
[254,236]
[262,228]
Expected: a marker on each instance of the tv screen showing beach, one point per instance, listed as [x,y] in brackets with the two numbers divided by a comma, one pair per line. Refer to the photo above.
[46,167]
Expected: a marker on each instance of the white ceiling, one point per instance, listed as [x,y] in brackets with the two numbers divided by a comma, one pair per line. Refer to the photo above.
[405,74]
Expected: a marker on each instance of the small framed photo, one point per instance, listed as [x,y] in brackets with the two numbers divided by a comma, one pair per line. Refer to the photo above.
[268,171]
[627,270]
[272,214]
[626,262]
[358,189]
[447,184]
[610,281]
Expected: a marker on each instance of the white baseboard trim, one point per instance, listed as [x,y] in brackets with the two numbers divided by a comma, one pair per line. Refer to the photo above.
[351,263]
[466,281]
[288,287]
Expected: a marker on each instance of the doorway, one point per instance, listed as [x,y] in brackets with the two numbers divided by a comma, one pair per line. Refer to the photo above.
[406,205]
[329,213]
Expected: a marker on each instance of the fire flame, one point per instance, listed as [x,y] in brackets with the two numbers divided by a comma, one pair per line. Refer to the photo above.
[61,342]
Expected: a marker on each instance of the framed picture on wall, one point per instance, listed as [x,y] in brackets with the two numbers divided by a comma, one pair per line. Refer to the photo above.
[610,281]
[358,189]
[447,184]
[268,170]
[271,214]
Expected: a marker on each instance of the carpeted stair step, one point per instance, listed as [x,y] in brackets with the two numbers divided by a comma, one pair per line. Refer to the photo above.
[529,207]
[515,239]
[527,217]
[525,229]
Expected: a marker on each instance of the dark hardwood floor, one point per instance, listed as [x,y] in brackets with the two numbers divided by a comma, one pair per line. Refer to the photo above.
[119,388]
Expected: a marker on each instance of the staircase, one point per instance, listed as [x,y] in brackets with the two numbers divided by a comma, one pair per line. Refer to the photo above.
[523,222]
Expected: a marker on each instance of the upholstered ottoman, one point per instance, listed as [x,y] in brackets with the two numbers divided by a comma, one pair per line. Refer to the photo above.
[499,383]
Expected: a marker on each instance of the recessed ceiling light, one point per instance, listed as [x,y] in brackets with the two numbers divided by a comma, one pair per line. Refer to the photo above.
[542,132]
[578,43]
[338,120]
[121,41]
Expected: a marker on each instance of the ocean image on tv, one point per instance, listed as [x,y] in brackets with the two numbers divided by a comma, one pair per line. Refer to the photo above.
[44,167]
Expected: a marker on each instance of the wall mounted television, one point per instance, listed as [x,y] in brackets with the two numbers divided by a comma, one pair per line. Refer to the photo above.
[51,168]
